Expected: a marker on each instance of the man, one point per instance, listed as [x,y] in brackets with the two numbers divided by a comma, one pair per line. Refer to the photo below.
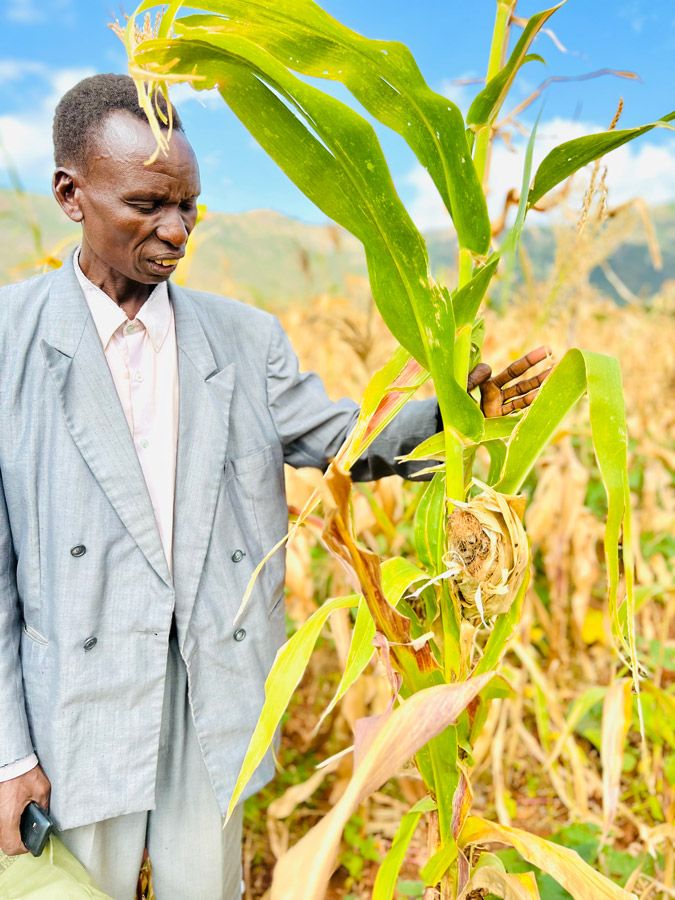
[143,432]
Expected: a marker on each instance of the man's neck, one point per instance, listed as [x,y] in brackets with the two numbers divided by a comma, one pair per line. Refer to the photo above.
[129,295]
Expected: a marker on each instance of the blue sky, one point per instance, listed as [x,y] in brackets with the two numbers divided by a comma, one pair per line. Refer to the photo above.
[47,45]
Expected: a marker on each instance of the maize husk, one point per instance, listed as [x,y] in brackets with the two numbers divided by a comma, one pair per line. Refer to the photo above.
[487,553]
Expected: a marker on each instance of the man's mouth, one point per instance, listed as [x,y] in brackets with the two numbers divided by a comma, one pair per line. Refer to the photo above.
[167,262]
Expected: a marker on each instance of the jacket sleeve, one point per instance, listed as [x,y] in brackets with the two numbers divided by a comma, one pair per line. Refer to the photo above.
[15,741]
[312,428]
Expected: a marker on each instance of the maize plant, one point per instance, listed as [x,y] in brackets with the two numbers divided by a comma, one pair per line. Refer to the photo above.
[441,623]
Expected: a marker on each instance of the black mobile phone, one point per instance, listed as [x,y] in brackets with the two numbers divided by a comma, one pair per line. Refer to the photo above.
[35,828]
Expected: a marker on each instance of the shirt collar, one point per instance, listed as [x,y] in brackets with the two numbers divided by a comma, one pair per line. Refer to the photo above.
[155,314]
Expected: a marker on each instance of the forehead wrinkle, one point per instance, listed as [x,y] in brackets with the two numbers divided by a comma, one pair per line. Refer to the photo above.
[126,142]
[180,176]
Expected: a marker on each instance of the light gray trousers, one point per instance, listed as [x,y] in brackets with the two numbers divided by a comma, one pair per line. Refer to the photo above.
[193,857]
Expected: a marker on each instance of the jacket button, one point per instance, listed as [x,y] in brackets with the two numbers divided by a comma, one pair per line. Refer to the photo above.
[89,644]
[238,555]
[78,550]
[240,634]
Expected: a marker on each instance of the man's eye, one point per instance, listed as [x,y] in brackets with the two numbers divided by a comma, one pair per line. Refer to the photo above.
[146,207]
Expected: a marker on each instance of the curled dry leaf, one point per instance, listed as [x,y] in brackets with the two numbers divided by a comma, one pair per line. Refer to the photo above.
[488,553]
[561,863]
[494,881]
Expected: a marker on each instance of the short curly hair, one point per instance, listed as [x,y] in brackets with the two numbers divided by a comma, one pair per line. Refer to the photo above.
[85,107]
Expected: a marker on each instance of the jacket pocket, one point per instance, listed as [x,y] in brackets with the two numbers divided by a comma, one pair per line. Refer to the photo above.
[34,635]
[253,471]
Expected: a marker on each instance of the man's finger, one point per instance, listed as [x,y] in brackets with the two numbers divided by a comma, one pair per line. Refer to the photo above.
[520,366]
[527,385]
[11,843]
[518,403]
[478,375]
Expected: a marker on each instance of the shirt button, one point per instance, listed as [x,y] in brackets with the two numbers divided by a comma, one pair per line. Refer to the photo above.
[239,634]
[138,376]
[78,550]
[145,444]
[238,555]
[89,644]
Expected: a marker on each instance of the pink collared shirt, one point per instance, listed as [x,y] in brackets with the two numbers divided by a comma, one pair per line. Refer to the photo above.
[143,361]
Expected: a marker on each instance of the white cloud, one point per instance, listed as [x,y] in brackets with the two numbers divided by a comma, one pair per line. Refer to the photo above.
[182,94]
[16,69]
[26,136]
[641,169]
[33,12]
[23,11]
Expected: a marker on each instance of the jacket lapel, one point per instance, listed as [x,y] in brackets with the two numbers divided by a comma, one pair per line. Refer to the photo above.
[205,393]
[93,413]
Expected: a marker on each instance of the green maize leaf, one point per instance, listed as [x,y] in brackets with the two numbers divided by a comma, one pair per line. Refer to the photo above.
[467,300]
[387,874]
[318,149]
[431,448]
[443,756]
[501,426]
[397,576]
[439,332]
[423,764]
[284,676]
[567,158]
[360,653]
[440,862]
[495,428]
[429,533]
[497,452]
[509,248]
[489,101]
[382,75]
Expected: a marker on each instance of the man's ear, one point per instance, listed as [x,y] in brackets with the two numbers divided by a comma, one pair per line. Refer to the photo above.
[66,189]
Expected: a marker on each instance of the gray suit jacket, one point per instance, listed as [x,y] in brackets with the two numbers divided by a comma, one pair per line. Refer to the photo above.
[86,598]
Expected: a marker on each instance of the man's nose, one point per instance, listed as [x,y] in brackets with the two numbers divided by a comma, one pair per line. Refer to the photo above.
[172,228]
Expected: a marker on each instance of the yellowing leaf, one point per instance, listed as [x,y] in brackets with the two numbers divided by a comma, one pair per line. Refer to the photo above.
[561,863]
[410,727]
[510,887]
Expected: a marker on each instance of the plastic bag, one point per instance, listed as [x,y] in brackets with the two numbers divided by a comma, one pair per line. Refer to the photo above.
[54,875]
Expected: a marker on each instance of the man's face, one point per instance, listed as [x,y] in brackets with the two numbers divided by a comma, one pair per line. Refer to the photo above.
[136,218]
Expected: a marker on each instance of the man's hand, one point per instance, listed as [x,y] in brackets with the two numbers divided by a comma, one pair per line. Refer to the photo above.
[15,795]
[498,400]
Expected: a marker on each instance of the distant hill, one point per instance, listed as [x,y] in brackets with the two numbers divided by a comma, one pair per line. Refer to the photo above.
[269,259]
